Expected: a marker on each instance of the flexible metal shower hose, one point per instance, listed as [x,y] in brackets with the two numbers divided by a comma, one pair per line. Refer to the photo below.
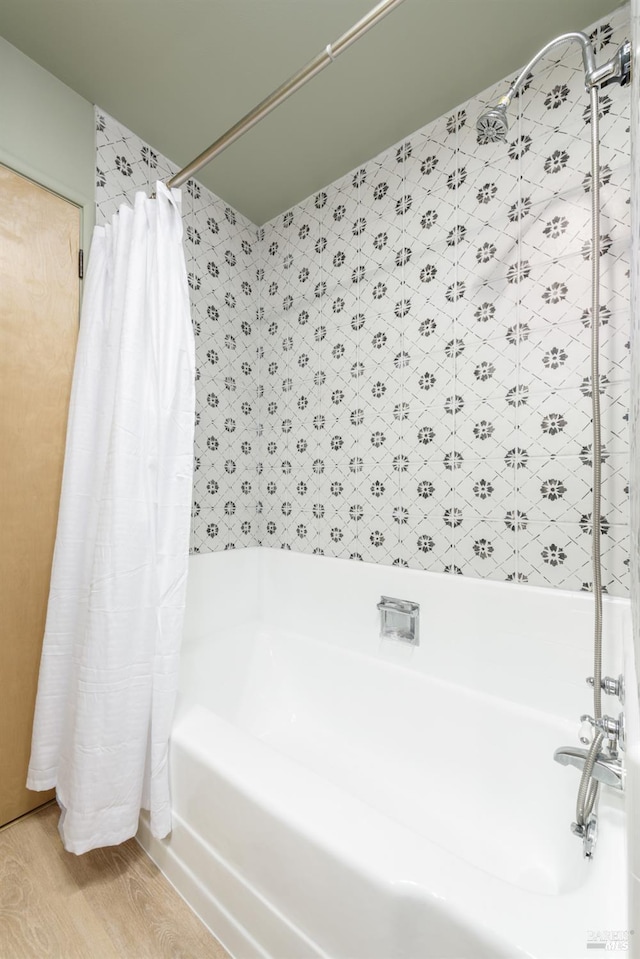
[589,788]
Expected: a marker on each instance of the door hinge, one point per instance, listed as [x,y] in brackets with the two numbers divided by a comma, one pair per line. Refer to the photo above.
[81,264]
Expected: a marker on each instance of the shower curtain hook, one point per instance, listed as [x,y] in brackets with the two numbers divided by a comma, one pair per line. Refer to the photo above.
[329,52]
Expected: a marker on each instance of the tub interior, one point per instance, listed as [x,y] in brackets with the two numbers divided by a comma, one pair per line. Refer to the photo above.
[410,791]
[464,770]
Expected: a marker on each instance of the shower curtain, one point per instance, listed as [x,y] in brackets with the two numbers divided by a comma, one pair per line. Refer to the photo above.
[109,665]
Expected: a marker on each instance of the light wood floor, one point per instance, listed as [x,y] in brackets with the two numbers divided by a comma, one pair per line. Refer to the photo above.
[111,903]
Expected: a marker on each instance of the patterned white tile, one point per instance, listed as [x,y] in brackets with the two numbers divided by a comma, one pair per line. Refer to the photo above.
[398,368]
[485,548]
[555,489]
[554,554]
[426,488]
[485,488]
[487,430]
[429,544]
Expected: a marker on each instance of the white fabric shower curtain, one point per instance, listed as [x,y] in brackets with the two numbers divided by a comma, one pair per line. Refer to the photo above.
[109,665]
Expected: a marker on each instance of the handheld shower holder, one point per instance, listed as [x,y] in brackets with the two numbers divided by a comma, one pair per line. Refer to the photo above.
[615,70]
[589,835]
[610,686]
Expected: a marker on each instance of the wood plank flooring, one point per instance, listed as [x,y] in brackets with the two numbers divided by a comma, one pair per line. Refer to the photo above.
[112,903]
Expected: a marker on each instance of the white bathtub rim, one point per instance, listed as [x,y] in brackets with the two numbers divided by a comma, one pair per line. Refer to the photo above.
[263,560]
[534,643]
[266,557]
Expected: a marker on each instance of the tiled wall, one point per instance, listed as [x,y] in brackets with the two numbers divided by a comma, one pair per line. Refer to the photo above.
[220,251]
[632,682]
[426,346]
[397,370]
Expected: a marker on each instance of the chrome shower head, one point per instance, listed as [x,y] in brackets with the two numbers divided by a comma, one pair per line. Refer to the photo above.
[492,125]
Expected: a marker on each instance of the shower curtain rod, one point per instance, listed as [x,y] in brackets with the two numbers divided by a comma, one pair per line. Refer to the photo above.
[328,55]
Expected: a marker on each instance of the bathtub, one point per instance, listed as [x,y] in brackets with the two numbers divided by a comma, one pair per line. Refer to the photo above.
[340,795]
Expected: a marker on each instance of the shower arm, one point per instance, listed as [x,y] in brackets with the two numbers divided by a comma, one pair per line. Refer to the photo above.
[593,75]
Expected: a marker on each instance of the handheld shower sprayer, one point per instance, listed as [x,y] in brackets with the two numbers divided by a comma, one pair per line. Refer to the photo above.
[492,126]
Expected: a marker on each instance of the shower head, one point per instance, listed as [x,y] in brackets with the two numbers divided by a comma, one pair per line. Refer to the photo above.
[492,125]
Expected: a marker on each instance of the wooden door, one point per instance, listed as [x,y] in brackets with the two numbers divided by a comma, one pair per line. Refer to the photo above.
[39,304]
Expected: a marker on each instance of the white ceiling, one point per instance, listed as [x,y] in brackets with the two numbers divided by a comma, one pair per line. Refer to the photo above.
[180,72]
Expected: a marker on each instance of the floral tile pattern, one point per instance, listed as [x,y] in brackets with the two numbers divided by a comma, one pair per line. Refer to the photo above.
[436,307]
[397,370]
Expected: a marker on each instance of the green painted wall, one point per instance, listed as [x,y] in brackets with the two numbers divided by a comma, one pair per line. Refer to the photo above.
[47,132]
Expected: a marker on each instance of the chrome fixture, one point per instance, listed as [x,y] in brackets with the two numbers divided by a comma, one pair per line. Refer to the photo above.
[588,833]
[612,730]
[605,769]
[399,619]
[610,686]
[617,69]
[492,125]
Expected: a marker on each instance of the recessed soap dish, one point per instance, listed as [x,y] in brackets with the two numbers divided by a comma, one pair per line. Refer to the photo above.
[400,620]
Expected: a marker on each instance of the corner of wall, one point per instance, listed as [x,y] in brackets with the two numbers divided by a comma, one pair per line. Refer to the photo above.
[47,132]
